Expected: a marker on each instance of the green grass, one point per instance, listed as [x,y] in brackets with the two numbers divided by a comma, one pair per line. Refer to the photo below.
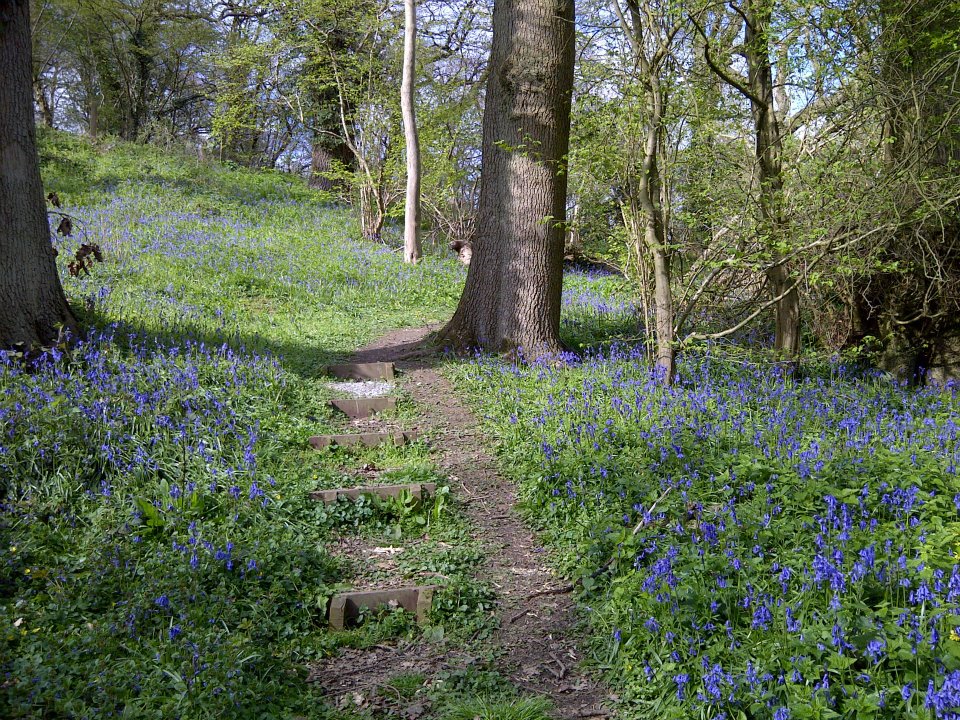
[159,554]
[497,708]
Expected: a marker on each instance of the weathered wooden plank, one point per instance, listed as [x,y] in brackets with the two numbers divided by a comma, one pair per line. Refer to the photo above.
[363,407]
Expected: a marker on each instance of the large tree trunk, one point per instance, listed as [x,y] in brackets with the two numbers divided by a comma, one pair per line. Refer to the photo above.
[324,154]
[33,308]
[411,216]
[512,294]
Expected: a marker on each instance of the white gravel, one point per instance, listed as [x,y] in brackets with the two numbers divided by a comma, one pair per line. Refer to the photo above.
[367,389]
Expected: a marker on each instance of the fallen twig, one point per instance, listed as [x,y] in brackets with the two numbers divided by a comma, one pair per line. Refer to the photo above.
[563,589]
[516,617]
[649,512]
[563,668]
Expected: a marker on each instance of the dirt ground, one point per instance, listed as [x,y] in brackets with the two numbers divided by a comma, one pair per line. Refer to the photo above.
[536,644]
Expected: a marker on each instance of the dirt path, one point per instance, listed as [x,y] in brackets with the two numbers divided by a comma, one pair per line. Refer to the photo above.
[536,641]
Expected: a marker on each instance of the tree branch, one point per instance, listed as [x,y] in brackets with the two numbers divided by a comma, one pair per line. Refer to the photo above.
[738,83]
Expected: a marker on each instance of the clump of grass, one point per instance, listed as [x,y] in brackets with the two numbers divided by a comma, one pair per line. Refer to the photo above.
[404,685]
[497,708]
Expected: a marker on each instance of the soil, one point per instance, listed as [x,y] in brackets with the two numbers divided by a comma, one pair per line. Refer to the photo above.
[536,644]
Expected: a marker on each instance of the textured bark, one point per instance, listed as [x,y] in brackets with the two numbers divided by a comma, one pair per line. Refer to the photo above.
[411,215]
[43,103]
[33,308]
[512,294]
[322,158]
[373,212]
[787,312]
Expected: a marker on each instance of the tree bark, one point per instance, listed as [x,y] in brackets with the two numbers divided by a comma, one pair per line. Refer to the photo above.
[512,295]
[323,156]
[43,102]
[769,154]
[411,216]
[651,48]
[33,308]
[372,212]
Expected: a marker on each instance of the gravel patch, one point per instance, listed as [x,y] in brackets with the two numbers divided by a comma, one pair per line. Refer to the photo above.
[367,389]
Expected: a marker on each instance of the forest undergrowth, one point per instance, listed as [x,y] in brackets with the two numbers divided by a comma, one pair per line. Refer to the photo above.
[748,543]
[745,544]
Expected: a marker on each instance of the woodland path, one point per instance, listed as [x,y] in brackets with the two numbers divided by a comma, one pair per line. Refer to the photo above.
[536,643]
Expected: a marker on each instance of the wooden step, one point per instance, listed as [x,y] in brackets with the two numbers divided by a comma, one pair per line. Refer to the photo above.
[418,490]
[369,439]
[345,607]
[357,408]
[362,371]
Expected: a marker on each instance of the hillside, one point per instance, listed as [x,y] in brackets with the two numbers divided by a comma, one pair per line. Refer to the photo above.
[748,543]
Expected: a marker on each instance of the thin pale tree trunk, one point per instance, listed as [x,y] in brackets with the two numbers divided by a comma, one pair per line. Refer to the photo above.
[654,235]
[411,217]
[33,308]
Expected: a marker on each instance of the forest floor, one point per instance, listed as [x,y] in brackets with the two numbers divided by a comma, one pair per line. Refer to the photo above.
[536,643]
[745,542]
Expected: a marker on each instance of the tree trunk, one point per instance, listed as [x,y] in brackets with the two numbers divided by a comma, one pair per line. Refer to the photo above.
[323,156]
[787,312]
[654,234]
[411,216]
[93,119]
[769,154]
[34,308]
[512,295]
[372,212]
[43,102]
[650,51]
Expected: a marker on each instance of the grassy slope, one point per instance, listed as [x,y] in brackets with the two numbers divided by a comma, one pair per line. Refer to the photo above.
[256,257]
[158,557]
